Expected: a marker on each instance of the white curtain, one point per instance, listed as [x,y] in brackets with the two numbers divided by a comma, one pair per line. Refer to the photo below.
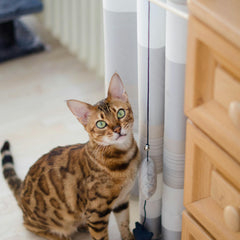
[167,74]
[120,44]
[174,123]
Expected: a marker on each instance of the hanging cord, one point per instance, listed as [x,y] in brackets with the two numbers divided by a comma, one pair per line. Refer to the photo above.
[147,146]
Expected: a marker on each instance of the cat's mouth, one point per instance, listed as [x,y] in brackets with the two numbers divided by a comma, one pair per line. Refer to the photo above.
[121,136]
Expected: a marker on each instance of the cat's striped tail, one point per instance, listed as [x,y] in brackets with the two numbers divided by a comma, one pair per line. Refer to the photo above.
[8,171]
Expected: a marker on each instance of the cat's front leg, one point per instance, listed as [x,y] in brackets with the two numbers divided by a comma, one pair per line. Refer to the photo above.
[97,222]
[121,213]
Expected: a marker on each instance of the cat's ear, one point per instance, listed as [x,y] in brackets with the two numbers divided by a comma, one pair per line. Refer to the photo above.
[80,109]
[116,89]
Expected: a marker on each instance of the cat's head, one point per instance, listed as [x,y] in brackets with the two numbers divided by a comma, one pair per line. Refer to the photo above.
[110,121]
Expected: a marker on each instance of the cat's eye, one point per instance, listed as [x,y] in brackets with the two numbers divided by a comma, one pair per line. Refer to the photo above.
[121,113]
[101,124]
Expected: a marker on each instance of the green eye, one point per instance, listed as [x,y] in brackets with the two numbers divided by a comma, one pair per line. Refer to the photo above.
[101,124]
[121,113]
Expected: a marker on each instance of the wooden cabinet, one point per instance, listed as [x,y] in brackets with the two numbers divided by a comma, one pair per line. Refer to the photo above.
[212,83]
[212,100]
[192,230]
[212,183]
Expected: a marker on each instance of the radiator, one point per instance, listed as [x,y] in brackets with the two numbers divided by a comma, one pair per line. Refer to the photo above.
[78,25]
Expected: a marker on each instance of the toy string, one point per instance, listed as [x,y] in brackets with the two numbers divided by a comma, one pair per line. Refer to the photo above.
[148,87]
[148,82]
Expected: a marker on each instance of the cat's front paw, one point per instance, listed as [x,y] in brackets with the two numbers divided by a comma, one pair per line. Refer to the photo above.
[129,236]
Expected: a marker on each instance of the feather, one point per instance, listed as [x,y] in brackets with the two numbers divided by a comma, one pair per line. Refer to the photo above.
[148,178]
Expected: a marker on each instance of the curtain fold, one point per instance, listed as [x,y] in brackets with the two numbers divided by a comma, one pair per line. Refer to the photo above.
[120,44]
[174,123]
[156,108]
[84,30]
[94,27]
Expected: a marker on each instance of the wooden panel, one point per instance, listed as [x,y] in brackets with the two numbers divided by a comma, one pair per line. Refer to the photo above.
[199,71]
[202,156]
[211,182]
[212,82]
[206,50]
[214,120]
[222,192]
[210,215]
[191,230]
[212,102]
[226,88]
[222,17]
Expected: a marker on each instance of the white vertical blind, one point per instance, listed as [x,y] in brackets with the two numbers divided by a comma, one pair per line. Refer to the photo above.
[74,25]
[48,13]
[78,24]
[57,17]
[66,13]
[93,33]
[100,54]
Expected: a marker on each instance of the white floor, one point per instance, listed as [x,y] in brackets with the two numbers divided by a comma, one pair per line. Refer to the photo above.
[34,118]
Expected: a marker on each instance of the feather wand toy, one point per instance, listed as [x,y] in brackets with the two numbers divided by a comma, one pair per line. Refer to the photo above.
[148,176]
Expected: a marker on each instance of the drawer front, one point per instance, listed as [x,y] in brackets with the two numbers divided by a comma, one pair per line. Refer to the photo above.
[212,185]
[212,84]
[191,230]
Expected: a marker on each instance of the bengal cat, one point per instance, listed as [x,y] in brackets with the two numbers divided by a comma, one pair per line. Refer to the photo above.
[80,185]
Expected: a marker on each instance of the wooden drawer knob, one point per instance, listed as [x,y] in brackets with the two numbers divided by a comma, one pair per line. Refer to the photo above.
[234,113]
[232,218]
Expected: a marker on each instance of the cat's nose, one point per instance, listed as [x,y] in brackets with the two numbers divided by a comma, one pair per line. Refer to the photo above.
[117,129]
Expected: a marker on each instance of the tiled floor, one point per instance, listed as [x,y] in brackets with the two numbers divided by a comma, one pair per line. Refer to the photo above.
[34,118]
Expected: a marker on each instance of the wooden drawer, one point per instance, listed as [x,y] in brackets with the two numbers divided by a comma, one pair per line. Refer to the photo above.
[212,185]
[212,83]
[191,230]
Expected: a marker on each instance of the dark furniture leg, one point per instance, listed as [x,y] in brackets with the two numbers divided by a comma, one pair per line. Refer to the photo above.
[17,40]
